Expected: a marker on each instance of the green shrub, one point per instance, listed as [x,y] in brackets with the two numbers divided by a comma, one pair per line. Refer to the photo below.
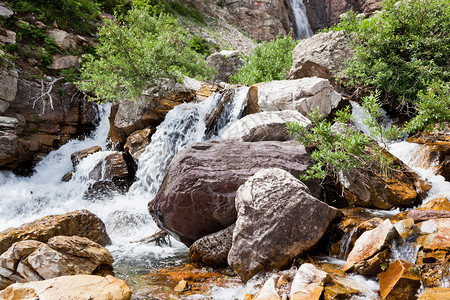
[268,61]
[134,54]
[184,11]
[399,49]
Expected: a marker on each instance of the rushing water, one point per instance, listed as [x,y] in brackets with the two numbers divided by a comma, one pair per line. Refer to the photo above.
[301,25]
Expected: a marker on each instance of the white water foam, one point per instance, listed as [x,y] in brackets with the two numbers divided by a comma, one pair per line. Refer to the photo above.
[301,25]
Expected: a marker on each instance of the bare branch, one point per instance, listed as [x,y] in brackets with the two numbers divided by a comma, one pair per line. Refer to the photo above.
[47,93]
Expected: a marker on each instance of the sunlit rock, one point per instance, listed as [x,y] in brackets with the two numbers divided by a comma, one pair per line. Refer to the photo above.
[399,281]
[138,141]
[435,294]
[264,126]
[77,156]
[81,223]
[308,283]
[277,221]
[76,287]
[268,291]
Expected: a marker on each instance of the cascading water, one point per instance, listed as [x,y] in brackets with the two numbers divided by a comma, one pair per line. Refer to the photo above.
[301,25]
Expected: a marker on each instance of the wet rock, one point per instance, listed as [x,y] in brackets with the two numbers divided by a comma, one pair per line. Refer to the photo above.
[303,95]
[7,37]
[138,141]
[212,250]
[404,227]
[226,63]
[277,221]
[62,255]
[268,291]
[64,62]
[76,287]
[264,126]
[113,167]
[64,39]
[77,156]
[423,215]
[369,244]
[308,283]
[374,265]
[321,55]
[435,294]
[341,288]
[399,282]
[81,223]
[207,89]
[196,197]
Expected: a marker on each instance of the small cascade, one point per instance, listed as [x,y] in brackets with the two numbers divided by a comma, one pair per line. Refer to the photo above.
[302,29]
[404,250]
[346,243]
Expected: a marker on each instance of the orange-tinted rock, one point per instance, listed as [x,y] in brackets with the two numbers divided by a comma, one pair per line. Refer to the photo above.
[373,265]
[308,283]
[435,294]
[435,234]
[81,223]
[399,282]
[138,141]
[370,243]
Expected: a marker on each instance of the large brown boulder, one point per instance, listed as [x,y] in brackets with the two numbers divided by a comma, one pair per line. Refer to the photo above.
[81,223]
[399,282]
[78,287]
[321,55]
[196,197]
[62,255]
[303,95]
[277,221]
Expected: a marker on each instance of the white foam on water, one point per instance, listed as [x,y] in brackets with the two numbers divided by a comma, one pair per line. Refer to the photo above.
[301,24]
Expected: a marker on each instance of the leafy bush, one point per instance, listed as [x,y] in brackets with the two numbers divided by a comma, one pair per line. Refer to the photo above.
[400,48]
[269,61]
[134,54]
[184,11]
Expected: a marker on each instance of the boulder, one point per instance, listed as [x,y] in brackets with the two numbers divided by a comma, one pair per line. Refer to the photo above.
[303,95]
[77,156]
[7,37]
[226,63]
[8,84]
[424,215]
[212,250]
[5,11]
[277,221]
[196,197]
[368,245]
[63,255]
[64,62]
[112,167]
[268,291]
[138,141]
[399,281]
[78,287]
[308,283]
[64,39]
[435,294]
[3,106]
[81,223]
[321,55]
[264,126]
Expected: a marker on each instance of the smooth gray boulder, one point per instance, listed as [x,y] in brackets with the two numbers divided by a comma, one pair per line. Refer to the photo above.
[278,220]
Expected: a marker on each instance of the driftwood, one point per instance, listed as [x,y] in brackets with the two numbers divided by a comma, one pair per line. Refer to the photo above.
[160,237]
[47,93]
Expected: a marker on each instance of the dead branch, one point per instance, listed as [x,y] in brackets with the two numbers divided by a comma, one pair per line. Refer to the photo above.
[159,238]
[47,93]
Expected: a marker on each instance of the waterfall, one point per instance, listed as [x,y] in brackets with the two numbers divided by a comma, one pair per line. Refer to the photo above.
[301,25]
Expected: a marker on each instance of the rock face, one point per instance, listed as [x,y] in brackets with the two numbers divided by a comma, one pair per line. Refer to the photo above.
[323,14]
[64,39]
[81,223]
[321,55]
[368,246]
[62,255]
[398,281]
[196,197]
[303,95]
[64,62]
[7,37]
[264,126]
[212,250]
[78,287]
[277,220]
[308,283]
[226,63]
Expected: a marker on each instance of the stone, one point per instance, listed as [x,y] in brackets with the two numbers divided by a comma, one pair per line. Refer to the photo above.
[321,55]
[303,95]
[399,282]
[404,227]
[373,265]
[8,122]
[64,39]
[277,221]
[181,286]
[424,215]
[439,293]
[3,106]
[64,62]
[8,84]
[77,156]
[264,126]
[268,291]
[138,141]
[7,37]
[5,11]
[226,63]
[435,234]
[369,244]
[196,197]
[78,287]
[308,283]
[112,167]
[212,250]
[81,223]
